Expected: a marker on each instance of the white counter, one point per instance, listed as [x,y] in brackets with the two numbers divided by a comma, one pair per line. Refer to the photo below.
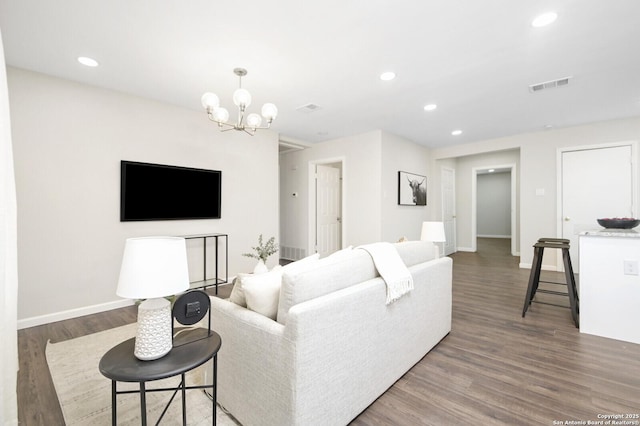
[609,295]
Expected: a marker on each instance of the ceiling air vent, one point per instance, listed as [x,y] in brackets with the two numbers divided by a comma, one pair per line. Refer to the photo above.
[309,108]
[549,84]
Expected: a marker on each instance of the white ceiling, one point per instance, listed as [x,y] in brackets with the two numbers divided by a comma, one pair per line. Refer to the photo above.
[474,59]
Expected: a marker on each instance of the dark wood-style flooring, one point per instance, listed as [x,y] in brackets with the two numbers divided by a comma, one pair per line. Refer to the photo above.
[494,368]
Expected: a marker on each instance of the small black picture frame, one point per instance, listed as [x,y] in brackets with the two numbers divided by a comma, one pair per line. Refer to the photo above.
[189,309]
[412,189]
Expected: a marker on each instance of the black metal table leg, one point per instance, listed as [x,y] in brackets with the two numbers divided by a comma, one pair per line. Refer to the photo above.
[184,401]
[215,387]
[114,393]
[143,404]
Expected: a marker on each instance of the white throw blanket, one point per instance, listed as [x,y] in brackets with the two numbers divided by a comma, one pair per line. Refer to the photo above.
[391,268]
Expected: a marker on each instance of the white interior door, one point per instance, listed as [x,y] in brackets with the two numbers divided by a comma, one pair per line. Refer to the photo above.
[448,177]
[328,209]
[596,183]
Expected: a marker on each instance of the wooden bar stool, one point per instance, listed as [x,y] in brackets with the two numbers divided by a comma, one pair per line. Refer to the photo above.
[534,277]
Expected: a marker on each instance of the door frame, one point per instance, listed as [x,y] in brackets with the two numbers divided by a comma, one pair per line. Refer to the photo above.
[559,196]
[474,207]
[453,202]
[311,238]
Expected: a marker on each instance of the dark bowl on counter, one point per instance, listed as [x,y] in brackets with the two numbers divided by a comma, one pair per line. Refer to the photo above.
[619,223]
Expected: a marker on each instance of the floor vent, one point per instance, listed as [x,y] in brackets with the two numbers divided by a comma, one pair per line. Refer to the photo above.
[549,84]
[292,253]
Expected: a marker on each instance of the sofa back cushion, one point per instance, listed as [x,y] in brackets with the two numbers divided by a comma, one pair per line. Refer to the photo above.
[337,272]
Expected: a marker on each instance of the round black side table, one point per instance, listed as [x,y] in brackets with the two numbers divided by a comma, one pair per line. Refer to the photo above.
[120,365]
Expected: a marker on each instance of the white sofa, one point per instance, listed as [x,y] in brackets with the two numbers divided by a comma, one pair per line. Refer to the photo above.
[336,346]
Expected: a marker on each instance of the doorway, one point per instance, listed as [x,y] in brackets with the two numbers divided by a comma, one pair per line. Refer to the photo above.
[501,225]
[326,218]
[448,183]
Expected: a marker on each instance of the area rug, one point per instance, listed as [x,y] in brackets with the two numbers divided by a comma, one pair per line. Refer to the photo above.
[85,394]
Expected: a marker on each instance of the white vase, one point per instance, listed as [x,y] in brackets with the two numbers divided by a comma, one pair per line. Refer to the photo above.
[260,267]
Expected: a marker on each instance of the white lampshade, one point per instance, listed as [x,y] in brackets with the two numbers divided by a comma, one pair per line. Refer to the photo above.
[242,98]
[210,101]
[254,120]
[269,111]
[433,231]
[221,115]
[153,267]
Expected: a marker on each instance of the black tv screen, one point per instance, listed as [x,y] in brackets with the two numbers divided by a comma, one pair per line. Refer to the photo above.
[161,192]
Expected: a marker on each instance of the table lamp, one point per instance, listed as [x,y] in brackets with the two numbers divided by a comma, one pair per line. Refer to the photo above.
[434,232]
[153,268]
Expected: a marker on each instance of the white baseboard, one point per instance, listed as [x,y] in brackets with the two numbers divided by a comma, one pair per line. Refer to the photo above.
[72,313]
[469,249]
[493,236]
[80,312]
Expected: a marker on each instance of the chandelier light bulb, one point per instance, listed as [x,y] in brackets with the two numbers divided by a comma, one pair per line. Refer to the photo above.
[249,123]
[254,120]
[210,101]
[269,111]
[242,98]
[221,115]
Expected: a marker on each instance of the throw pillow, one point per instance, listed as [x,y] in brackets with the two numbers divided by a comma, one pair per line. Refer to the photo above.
[262,292]
[237,293]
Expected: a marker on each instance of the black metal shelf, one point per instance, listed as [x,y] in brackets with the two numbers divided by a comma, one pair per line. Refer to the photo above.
[216,279]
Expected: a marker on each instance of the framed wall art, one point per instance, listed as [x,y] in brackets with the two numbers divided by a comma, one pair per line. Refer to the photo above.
[412,189]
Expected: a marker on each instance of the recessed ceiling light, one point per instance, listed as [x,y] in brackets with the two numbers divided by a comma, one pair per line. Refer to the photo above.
[544,19]
[456,132]
[491,170]
[386,76]
[548,126]
[430,107]
[90,62]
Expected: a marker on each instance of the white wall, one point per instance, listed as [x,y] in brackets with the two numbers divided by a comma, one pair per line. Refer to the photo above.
[538,170]
[371,162]
[69,139]
[402,155]
[493,211]
[360,156]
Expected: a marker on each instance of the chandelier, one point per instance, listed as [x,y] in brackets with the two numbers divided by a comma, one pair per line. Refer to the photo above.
[242,99]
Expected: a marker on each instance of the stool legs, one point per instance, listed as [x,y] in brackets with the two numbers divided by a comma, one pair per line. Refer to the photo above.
[534,277]
[571,287]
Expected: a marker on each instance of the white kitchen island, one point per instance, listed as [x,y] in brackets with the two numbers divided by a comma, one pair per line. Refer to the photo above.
[610,284]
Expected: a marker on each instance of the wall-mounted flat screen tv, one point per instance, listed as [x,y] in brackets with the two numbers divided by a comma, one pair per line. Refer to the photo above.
[162,192]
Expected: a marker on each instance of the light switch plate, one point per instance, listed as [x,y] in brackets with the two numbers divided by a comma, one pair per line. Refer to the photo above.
[631,267]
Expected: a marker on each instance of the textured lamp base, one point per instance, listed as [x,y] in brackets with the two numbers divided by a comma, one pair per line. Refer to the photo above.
[153,340]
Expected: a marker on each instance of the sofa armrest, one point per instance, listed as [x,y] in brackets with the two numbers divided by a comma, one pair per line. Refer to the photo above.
[255,378]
